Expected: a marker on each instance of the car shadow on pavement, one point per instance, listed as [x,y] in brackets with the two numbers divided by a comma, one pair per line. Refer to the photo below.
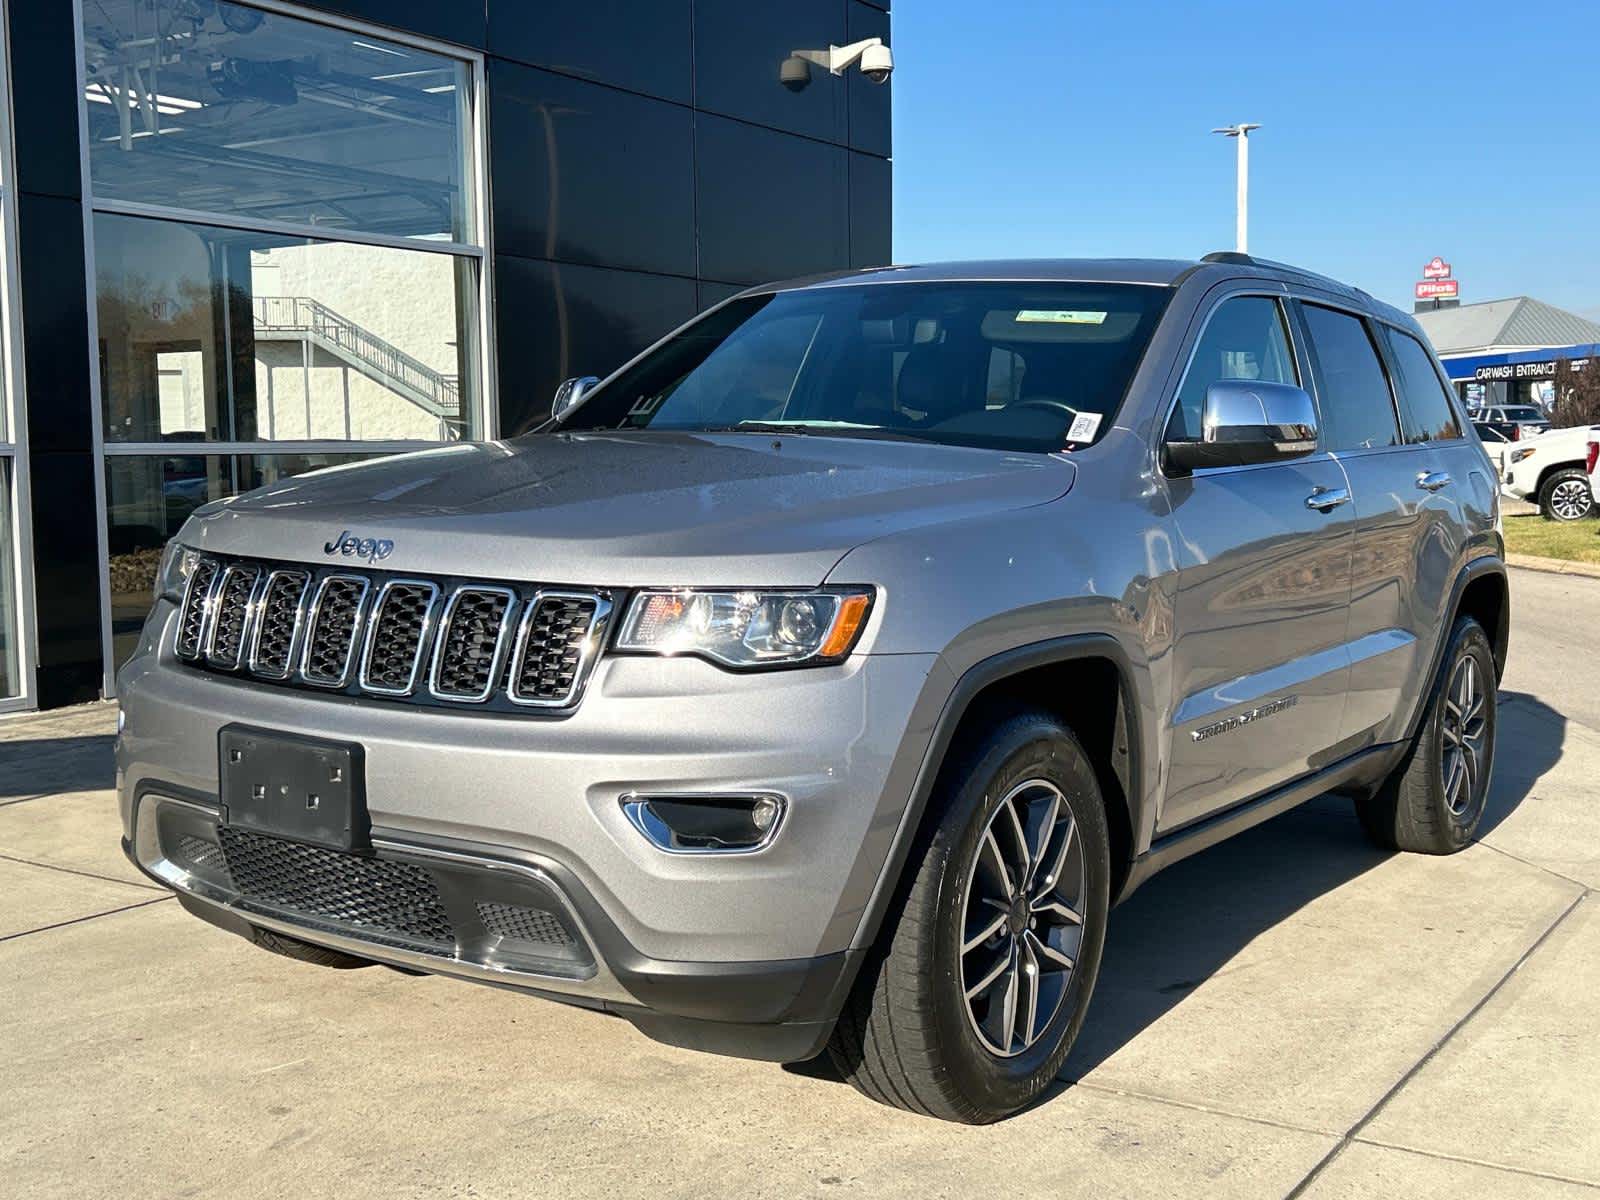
[35,766]
[1188,923]
[1528,741]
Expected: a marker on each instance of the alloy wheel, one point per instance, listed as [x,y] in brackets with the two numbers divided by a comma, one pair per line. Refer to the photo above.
[1570,499]
[1464,725]
[1022,918]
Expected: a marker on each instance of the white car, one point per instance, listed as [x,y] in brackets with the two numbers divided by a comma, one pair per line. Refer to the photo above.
[1551,470]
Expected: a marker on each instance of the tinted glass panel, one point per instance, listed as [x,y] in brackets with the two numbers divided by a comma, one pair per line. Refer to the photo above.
[1357,408]
[771,206]
[1013,366]
[211,334]
[1425,406]
[1245,339]
[229,109]
[149,498]
[556,174]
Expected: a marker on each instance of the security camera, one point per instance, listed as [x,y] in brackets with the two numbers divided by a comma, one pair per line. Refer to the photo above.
[795,73]
[877,63]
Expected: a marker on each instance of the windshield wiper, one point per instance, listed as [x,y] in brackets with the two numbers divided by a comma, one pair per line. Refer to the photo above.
[820,429]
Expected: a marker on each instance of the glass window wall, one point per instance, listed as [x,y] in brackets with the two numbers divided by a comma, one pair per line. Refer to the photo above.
[287,253]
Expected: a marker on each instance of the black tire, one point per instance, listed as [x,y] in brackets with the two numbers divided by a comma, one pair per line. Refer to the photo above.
[906,1037]
[305,952]
[1414,809]
[1562,493]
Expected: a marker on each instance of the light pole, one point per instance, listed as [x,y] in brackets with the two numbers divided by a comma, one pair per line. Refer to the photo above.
[1241,133]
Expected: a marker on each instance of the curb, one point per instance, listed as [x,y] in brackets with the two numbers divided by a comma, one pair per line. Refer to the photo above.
[1553,566]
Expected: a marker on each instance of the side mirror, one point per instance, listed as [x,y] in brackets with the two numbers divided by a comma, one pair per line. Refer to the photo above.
[1248,421]
[571,393]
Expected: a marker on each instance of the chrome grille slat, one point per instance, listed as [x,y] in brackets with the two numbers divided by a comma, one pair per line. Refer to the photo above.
[554,647]
[333,628]
[232,603]
[472,637]
[279,613]
[196,610]
[370,632]
[397,636]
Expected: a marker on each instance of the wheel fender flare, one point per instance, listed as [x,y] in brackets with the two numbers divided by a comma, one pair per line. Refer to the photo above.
[972,682]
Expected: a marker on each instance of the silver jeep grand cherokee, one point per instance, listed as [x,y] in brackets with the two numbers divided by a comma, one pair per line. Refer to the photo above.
[820,678]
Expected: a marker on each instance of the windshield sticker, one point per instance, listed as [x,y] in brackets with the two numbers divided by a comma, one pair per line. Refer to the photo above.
[1056,316]
[1084,427]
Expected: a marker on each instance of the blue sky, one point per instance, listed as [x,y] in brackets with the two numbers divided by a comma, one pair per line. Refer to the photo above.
[1392,132]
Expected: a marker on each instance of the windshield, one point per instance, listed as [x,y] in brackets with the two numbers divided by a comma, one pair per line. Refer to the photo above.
[1524,413]
[1013,366]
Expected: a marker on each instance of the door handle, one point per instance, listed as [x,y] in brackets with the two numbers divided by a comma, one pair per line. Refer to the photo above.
[1432,481]
[1326,499]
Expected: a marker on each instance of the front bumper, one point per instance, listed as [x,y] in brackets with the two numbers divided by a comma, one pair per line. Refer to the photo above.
[746,953]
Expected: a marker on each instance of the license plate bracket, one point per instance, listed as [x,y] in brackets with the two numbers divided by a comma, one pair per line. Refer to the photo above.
[305,789]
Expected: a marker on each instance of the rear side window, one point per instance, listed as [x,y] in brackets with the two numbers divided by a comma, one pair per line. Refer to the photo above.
[1244,339]
[1357,408]
[1424,405]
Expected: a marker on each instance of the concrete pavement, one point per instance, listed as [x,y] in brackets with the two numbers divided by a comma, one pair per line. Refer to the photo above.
[1290,1013]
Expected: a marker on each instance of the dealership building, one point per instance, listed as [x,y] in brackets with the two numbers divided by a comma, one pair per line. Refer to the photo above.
[1505,351]
[246,240]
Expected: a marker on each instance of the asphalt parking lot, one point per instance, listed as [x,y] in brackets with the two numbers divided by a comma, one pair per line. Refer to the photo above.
[1289,1013]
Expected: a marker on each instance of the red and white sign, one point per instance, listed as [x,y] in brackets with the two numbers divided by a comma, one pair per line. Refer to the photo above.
[1437,269]
[1439,289]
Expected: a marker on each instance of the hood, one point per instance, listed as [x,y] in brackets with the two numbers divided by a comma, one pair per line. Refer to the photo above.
[630,509]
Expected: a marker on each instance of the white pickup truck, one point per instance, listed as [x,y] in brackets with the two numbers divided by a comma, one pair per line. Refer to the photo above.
[1552,471]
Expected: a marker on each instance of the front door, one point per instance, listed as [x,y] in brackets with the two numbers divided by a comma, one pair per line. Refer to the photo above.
[1259,662]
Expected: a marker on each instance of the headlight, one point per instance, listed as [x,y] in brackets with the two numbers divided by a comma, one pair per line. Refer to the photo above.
[747,628]
[1526,452]
[177,560]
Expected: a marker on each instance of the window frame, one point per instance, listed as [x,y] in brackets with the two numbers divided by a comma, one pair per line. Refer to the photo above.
[1291,335]
[1368,326]
[486,392]
[1388,331]
[13,403]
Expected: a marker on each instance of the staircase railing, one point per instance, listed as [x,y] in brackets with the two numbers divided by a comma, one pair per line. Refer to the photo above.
[439,393]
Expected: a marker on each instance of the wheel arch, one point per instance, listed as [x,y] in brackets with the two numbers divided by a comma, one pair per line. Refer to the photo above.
[1481,591]
[1089,681]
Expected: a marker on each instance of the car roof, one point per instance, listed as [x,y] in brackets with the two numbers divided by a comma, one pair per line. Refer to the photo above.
[1159,272]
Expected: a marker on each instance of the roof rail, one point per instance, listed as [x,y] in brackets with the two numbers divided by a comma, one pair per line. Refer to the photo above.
[1238,259]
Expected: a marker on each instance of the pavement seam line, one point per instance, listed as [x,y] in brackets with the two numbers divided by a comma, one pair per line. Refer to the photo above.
[29,862]
[1476,1162]
[1536,866]
[1192,1106]
[110,912]
[25,799]
[1415,1069]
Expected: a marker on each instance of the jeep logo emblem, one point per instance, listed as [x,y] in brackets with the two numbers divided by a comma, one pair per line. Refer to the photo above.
[348,544]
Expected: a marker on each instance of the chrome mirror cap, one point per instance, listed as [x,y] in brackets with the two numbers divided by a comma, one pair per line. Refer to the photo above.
[1248,421]
[571,393]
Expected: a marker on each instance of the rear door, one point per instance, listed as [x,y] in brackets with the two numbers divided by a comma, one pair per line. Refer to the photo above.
[1259,668]
[1406,522]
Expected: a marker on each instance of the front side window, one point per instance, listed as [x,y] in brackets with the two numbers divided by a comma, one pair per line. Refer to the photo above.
[1424,403]
[1357,407]
[1038,367]
[1244,339]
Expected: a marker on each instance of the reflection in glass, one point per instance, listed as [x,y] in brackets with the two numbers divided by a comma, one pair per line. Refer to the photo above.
[228,109]
[149,498]
[211,334]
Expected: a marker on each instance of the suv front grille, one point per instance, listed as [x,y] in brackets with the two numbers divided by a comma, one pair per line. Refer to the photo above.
[428,641]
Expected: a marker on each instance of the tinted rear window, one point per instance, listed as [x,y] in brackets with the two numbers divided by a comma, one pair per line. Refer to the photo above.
[1424,404]
[1357,408]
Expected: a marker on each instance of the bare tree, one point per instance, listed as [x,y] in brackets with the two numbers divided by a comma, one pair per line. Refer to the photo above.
[1577,389]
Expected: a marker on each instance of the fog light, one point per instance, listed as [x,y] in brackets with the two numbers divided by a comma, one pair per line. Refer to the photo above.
[706,824]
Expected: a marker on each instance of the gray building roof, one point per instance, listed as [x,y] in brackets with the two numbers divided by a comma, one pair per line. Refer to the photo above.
[1519,322]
